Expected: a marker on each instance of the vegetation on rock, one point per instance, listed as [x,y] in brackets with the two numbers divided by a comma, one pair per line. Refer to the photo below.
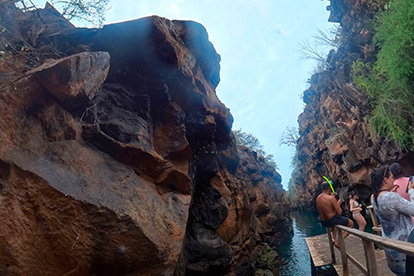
[91,11]
[389,81]
[252,142]
[358,111]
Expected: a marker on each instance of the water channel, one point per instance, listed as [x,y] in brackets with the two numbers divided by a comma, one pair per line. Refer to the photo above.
[294,249]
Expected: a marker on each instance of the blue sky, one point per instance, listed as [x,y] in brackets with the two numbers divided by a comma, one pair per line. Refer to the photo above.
[262,73]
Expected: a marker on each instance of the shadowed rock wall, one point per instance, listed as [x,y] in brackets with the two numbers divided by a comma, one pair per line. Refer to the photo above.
[117,157]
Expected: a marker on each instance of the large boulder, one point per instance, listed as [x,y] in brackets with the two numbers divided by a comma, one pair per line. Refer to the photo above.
[117,157]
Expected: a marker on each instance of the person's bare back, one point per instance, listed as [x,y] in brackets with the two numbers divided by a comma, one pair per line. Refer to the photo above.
[330,212]
[327,206]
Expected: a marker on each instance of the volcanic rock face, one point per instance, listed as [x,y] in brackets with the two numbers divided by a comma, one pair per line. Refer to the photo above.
[117,157]
[245,206]
[336,139]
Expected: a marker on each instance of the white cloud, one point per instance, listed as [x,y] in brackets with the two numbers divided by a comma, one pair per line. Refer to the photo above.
[175,9]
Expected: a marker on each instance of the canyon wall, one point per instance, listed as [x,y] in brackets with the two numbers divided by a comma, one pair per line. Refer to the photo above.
[336,139]
[117,157]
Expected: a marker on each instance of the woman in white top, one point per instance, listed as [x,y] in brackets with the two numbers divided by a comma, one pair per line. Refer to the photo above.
[356,208]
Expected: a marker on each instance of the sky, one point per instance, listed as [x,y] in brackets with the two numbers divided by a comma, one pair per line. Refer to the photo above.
[263,73]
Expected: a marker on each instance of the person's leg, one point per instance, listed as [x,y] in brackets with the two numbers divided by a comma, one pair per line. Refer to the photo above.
[333,233]
[340,220]
[361,222]
[350,225]
[335,240]
[331,229]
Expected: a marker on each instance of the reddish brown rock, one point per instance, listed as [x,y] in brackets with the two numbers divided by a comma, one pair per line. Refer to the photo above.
[77,190]
[131,171]
[73,80]
[336,139]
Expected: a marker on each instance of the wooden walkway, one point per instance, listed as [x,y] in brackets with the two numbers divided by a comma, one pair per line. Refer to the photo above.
[321,255]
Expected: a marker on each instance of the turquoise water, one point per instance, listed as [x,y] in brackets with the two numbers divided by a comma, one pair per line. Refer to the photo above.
[294,250]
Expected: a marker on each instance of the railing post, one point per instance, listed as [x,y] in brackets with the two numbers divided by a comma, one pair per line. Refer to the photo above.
[370,257]
[343,253]
[329,229]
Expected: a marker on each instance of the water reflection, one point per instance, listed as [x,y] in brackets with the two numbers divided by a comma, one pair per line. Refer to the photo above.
[307,223]
[294,250]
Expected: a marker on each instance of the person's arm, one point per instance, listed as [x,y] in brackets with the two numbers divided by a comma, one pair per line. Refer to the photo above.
[411,194]
[410,188]
[337,205]
[402,205]
[352,207]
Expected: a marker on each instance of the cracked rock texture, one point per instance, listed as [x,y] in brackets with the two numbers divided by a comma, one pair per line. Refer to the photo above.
[336,139]
[117,157]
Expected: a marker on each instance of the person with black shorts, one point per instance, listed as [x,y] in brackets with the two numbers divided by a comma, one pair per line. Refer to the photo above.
[330,211]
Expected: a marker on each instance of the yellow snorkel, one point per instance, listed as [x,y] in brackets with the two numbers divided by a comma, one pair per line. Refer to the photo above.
[330,184]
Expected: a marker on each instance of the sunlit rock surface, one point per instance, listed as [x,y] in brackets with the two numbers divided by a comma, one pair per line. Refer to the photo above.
[117,157]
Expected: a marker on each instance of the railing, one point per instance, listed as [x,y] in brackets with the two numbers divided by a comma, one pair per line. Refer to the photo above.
[368,241]
[376,226]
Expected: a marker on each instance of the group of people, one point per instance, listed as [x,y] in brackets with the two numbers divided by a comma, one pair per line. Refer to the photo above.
[393,202]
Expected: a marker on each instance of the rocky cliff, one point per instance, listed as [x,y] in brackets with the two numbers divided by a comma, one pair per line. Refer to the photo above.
[117,157]
[336,139]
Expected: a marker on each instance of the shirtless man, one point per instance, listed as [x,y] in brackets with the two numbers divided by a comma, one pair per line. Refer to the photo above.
[330,211]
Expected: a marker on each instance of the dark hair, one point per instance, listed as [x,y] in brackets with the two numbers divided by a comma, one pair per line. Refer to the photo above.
[352,193]
[396,170]
[324,185]
[377,177]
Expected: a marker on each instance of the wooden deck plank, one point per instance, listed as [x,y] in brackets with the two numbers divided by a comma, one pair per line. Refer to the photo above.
[319,249]
[320,254]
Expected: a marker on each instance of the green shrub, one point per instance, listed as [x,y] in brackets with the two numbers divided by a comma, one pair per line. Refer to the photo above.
[252,142]
[389,82]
